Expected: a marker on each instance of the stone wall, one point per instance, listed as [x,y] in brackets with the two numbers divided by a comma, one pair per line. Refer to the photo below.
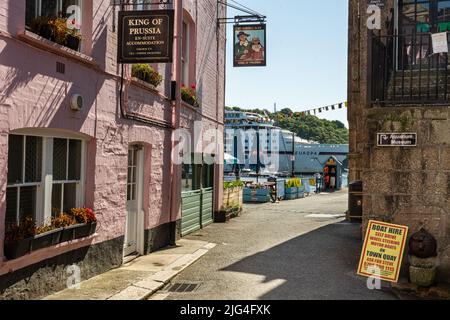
[408,186]
[48,276]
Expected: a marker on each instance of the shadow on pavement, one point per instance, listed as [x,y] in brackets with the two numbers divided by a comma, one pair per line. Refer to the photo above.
[319,265]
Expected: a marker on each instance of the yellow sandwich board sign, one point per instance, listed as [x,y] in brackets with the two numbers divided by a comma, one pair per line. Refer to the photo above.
[382,252]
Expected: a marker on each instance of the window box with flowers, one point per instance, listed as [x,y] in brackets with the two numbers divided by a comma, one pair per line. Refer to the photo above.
[147,74]
[18,239]
[26,237]
[189,95]
[86,222]
[59,21]
[57,30]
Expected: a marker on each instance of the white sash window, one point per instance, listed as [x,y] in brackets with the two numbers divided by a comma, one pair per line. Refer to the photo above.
[45,177]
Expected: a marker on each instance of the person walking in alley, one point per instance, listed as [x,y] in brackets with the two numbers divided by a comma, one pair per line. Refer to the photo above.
[333,180]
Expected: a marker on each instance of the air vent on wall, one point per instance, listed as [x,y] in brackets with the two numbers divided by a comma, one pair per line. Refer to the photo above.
[60,67]
[76,102]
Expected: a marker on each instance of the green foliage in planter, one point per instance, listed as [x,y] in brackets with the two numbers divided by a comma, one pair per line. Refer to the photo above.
[233,210]
[233,185]
[147,74]
[294,183]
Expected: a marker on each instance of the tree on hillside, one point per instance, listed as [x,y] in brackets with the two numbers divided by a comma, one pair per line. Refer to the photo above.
[307,127]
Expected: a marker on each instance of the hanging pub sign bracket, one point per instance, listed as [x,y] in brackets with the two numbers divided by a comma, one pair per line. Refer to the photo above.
[141,2]
[251,15]
[243,20]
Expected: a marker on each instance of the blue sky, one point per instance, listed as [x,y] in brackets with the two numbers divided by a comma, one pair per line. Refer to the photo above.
[306,58]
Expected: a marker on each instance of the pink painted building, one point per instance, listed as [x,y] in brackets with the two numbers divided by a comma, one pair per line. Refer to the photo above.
[110,156]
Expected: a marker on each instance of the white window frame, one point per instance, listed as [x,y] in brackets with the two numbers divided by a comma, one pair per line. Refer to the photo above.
[24,184]
[78,183]
[133,184]
[44,188]
[59,7]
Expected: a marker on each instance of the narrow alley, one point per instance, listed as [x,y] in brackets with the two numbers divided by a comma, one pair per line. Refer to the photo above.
[299,249]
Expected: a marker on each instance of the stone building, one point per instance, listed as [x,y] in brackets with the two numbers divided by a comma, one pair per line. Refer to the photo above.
[110,155]
[398,85]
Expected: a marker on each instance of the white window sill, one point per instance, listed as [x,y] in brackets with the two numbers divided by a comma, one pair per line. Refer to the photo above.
[47,45]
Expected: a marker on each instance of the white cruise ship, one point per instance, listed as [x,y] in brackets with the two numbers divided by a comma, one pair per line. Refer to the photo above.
[276,147]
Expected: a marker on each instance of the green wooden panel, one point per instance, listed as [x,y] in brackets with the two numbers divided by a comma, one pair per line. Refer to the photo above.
[190,216]
[190,221]
[197,210]
[191,203]
[207,207]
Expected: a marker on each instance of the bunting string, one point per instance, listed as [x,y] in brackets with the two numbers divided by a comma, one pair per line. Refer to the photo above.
[332,107]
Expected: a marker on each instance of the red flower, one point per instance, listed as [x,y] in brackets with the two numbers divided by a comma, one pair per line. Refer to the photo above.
[193,86]
[183,85]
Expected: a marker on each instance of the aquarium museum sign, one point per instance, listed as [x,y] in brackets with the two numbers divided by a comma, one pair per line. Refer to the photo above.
[146,36]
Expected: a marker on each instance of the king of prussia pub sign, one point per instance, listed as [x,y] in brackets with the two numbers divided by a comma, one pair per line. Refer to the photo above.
[250,45]
[146,36]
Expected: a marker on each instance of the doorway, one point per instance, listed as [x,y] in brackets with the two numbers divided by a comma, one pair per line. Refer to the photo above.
[134,228]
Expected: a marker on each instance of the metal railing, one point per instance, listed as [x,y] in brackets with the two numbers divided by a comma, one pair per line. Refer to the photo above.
[405,70]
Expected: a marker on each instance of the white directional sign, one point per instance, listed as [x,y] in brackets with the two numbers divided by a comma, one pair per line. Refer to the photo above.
[397,139]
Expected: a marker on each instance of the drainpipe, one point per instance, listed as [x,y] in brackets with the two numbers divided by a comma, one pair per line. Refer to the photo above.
[219,167]
[175,185]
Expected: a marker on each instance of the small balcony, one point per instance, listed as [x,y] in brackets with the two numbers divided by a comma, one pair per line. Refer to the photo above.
[406,72]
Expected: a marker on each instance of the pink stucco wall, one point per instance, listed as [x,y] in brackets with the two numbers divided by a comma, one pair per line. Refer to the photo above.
[33,95]
[210,77]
